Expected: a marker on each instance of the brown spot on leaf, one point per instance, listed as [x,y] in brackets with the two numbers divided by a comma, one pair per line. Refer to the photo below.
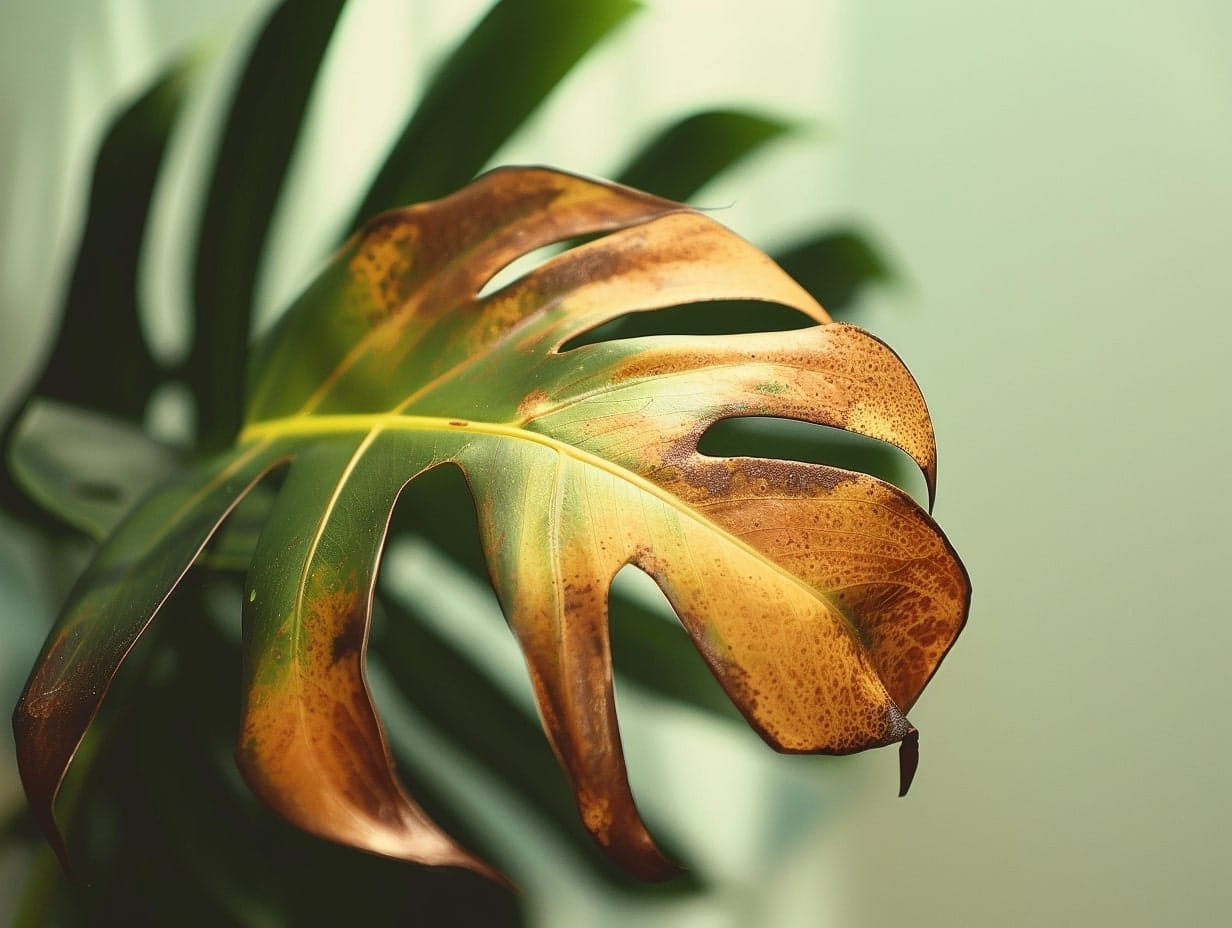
[382,267]
[350,639]
[532,404]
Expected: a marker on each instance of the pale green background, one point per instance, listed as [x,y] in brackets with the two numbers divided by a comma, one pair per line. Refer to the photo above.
[1052,181]
[1056,177]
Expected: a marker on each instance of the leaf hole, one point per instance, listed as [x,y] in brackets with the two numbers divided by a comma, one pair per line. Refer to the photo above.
[437,506]
[651,649]
[522,266]
[232,546]
[715,317]
[170,414]
[792,440]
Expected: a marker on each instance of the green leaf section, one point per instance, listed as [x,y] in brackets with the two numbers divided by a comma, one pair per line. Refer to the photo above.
[309,723]
[490,84]
[262,127]
[90,470]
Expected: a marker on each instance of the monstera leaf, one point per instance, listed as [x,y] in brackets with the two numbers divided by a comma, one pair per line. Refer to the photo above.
[821,599]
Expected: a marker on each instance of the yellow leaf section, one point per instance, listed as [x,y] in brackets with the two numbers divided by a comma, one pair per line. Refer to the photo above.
[672,260]
[780,648]
[311,745]
[881,561]
[312,749]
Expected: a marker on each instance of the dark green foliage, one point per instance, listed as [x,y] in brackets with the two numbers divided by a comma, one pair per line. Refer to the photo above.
[262,127]
[496,78]
[101,304]
[686,156]
[836,267]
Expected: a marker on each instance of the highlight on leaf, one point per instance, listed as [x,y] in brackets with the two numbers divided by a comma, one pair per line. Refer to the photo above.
[822,599]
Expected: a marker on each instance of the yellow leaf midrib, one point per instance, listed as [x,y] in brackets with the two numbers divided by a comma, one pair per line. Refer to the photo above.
[374,423]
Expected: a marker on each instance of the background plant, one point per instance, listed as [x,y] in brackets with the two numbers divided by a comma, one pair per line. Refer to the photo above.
[252,156]
[1060,210]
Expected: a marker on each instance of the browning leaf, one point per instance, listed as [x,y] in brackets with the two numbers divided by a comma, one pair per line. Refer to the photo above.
[822,599]
[310,742]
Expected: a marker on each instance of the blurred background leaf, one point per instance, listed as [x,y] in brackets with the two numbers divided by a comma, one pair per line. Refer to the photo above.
[836,267]
[261,129]
[488,86]
[101,307]
[688,154]
[101,304]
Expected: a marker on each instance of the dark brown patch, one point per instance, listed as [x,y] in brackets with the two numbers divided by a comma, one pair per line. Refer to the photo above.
[351,638]
[908,760]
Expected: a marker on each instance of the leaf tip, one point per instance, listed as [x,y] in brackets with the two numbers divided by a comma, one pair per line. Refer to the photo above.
[908,760]
[41,778]
[475,864]
[647,863]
